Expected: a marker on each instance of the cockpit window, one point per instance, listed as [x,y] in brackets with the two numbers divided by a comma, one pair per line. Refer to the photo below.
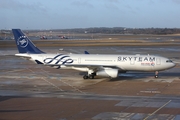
[170,61]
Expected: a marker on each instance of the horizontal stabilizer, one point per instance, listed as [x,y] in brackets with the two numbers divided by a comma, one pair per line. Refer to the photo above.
[23,55]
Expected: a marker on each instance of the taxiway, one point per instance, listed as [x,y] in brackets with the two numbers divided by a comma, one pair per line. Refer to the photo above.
[29,91]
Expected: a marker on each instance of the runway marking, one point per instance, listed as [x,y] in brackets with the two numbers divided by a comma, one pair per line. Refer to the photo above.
[47,80]
[52,84]
[30,70]
[76,89]
[12,71]
[20,76]
[72,87]
[157,110]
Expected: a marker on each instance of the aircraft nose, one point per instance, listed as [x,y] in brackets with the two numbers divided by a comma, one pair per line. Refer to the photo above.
[173,65]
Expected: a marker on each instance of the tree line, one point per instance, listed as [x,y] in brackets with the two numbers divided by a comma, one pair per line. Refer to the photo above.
[121,30]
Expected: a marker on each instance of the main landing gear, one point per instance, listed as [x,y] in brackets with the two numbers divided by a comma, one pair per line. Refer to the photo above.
[156,74]
[91,76]
[85,77]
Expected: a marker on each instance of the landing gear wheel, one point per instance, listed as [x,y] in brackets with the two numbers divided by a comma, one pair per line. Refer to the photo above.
[85,77]
[156,74]
[91,76]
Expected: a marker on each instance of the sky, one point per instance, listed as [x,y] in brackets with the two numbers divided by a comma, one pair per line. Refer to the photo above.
[65,14]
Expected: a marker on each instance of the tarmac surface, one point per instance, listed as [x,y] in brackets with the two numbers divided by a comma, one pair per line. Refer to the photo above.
[34,92]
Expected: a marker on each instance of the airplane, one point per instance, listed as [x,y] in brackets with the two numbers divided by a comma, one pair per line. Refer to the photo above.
[104,65]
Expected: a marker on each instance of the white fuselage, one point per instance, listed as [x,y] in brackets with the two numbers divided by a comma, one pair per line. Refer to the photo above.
[122,62]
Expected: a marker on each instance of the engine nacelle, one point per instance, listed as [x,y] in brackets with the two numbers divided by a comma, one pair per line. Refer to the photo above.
[113,73]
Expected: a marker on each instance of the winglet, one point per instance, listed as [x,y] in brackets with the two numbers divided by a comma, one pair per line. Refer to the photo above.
[86,52]
[24,44]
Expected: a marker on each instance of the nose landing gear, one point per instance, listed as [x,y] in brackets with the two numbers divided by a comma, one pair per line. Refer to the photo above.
[156,74]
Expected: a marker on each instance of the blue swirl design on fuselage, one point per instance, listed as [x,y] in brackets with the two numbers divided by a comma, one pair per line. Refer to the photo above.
[60,59]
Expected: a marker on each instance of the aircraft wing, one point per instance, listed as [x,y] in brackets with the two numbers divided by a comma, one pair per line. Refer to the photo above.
[91,67]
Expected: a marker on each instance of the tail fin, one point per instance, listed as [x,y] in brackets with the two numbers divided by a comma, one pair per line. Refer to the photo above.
[24,44]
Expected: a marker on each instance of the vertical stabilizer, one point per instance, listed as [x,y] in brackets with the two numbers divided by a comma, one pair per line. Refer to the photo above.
[24,44]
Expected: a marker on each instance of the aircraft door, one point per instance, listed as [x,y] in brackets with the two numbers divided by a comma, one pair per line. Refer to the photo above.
[40,57]
[43,58]
[79,60]
[158,61]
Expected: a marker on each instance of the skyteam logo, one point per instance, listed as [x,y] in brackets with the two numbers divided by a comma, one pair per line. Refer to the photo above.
[152,64]
[22,41]
[60,59]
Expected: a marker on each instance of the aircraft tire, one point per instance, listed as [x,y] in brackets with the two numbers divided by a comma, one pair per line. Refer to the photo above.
[85,77]
[156,76]
[91,76]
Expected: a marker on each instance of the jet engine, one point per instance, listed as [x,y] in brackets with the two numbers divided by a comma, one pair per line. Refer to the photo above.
[113,73]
